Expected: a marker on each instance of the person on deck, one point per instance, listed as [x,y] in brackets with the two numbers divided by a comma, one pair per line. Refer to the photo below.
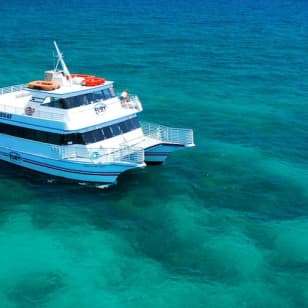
[125,96]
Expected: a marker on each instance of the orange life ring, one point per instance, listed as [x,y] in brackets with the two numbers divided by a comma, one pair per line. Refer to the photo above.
[89,80]
[93,81]
[43,85]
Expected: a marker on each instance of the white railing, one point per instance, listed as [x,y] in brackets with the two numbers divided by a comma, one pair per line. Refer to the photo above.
[132,103]
[42,114]
[12,89]
[60,114]
[48,115]
[124,154]
[182,136]
[11,109]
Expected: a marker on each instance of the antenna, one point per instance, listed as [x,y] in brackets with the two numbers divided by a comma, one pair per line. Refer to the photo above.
[61,60]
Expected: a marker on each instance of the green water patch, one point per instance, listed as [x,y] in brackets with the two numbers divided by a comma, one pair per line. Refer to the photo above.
[35,289]
[174,253]
[242,177]
[179,235]
[29,274]
[287,258]
[290,244]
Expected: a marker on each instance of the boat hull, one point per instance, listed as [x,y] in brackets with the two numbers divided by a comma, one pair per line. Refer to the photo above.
[104,173]
[157,154]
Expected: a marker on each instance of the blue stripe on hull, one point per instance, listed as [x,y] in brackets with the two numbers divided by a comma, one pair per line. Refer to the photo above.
[70,170]
[159,153]
[69,173]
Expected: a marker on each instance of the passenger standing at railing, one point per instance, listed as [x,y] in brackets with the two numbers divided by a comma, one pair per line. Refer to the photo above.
[125,96]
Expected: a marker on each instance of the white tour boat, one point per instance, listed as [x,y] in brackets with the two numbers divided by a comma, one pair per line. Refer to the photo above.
[74,126]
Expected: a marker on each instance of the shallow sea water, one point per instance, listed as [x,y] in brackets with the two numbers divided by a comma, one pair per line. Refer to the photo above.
[224,224]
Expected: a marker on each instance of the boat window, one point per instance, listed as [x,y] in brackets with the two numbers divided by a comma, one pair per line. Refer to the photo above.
[56,103]
[77,101]
[15,131]
[112,93]
[88,137]
[107,132]
[41,136]
[77,138]
[98,136]
[123,127]
[70,102]
[53,138]
[103,134]
[108,93]
[80,100]
[97,96]
[29,134]
[73,138]
[45,101]
[129,125]
[66,139]
[116,129]
[135,123]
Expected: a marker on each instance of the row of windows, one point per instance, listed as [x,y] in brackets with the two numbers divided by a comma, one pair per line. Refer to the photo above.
[74,138]
[80,100]
[110,131]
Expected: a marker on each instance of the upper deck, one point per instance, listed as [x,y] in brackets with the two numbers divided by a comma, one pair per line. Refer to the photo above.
[71,107]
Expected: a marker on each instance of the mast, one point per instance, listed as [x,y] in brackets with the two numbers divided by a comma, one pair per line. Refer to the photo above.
[61,60]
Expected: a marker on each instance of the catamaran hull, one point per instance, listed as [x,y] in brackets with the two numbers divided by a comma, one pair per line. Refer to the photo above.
[105,173]
[157,154]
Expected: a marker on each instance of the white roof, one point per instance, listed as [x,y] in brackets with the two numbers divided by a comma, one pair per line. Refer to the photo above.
[69,91]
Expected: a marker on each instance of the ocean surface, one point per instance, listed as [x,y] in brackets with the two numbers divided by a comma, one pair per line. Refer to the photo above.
[224,224]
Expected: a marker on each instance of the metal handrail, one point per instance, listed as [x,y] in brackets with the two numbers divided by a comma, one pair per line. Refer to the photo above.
[132,103]
[48,115]
[12,89]
[163,133]
[103,155]
[55,115]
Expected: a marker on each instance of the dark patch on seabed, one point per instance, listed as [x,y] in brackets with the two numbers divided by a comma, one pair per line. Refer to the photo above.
[35,289]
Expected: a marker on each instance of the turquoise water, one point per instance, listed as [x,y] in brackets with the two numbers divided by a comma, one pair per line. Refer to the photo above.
[224,224]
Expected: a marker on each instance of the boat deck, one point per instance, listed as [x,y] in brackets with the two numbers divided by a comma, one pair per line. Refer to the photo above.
[84,109]
[68,90]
